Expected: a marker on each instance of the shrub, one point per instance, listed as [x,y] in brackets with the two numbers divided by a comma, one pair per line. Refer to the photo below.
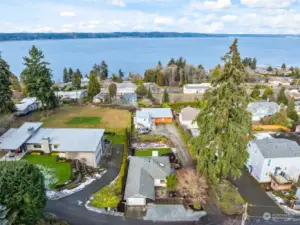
[72,186]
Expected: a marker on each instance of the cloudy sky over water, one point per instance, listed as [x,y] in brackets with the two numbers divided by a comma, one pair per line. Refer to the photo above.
[204,16]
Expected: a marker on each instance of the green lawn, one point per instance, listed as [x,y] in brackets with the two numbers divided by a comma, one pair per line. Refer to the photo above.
[54,172]
[84,120]
[116,139]
[161,151]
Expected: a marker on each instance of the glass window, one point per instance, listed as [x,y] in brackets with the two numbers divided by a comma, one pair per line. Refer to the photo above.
[37,146]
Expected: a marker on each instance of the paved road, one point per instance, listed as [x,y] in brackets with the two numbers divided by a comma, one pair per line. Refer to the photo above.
[170,131]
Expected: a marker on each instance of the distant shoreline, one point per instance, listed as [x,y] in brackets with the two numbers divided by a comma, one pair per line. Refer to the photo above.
[68,36]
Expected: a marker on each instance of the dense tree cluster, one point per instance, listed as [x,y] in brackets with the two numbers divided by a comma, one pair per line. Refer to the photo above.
[256,92]
[101,70]
[6,104]
[291,112]
[22,191]
[177,72]
[15,84]
[141,90]
[249,62]
[224,123]
[36,76]
[279,118]
[70,76]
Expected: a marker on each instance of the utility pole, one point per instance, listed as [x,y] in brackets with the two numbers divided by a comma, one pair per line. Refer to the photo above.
[245,215]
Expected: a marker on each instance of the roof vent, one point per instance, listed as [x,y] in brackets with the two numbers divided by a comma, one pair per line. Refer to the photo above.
[30,129]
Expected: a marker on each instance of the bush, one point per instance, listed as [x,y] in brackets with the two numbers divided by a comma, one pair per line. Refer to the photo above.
[72,186]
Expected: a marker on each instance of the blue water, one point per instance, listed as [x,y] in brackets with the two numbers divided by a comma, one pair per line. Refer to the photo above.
[137,54]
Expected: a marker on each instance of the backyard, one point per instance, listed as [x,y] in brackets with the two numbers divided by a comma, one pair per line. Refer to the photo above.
[87,116]
[148,152]
[54,172]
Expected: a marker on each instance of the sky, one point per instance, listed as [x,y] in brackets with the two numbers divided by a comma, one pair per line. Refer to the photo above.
[201,16]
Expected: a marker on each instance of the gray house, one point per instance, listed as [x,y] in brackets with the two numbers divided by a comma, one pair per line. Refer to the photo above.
[260,109]
[144,174]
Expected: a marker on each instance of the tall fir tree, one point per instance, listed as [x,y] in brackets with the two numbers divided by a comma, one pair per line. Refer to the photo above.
[70,74]
[165,98]
[104,70]
[6,104]
[93,86]
[291,112]
[281,98]
[225,123]
[15,84]
[65,75]
[37,78]
[112,91]
[76,80]
[121,74]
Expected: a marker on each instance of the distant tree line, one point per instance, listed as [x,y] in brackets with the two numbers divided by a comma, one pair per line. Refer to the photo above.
[70,76]
[249,62]
[175,73]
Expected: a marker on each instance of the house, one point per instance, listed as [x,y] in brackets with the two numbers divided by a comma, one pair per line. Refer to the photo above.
[84,82]
[196,88]
[277,81]
[83,144]
[125,87]
[187,117]
[260,109]
[146,117]
[71,95]
[144,174]
[274,161]
[26,106]
[294,93]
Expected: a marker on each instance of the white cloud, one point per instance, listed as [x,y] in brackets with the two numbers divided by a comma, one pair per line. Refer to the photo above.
[210,5]
[95,22]
[229,18]
[68,14]
[119,3]
[267,3]
[67,26]
[163,20]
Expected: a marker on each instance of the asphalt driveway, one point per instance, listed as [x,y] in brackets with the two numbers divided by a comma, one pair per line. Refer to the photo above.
[259,201]
[170,131]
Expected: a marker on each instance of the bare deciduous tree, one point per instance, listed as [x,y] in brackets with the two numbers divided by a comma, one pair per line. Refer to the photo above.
[192,185]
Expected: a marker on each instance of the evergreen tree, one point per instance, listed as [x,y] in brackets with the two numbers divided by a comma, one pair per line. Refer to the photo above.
[65,75]
[224,123]
[282,99]
[6,104]
[22,190]
[160,78]
[70,75]
[112,91]
[171,62]
[141,90]
[149,94]
[93,86]
[269,69]
[104,70]
[256,92]
[37,78]
[115,78]
[15,84]
[79,73]
[76,79]
[283,67]
[268,93]
[165,98]
[201,67]
[159,64]
[291,112]
[121,74]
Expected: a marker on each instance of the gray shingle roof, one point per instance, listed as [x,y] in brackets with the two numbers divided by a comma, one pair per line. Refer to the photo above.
[277,148]
[158,112]
[189,113]
[14,138]
[141,174]
[263,108]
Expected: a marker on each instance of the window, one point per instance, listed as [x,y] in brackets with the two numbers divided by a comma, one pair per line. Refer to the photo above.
[55,146]
[37,146]
[162,181]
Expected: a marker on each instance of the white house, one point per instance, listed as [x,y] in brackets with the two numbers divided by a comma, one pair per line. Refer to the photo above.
[260,109]
[144,174]
[146,117]
[71,95]
[83,144]
[269,158]
[187,117]
[26,106]
[196,88]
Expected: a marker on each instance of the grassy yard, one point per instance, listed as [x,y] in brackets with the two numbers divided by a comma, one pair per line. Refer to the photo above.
[84,120]
[54,172]
[161,151]
[116,139]
[87,116]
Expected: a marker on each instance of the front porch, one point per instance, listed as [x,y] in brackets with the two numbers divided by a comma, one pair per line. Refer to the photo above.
[281,182]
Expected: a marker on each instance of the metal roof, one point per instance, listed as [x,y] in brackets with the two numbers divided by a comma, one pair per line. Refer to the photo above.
[14,138]
[277,148]
[69,139]
[140,114]
[189,113]
[158,112]
[141,174]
